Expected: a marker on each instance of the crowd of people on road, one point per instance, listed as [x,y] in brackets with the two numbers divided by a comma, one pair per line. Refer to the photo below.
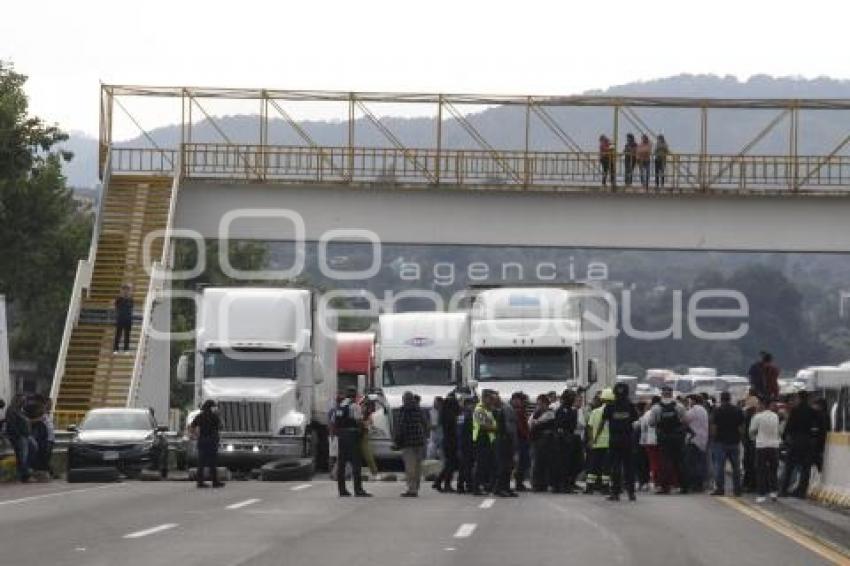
[27,424]
[641,156]
[690,444]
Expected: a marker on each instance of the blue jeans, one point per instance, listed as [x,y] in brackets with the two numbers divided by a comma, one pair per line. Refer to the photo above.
[722,453]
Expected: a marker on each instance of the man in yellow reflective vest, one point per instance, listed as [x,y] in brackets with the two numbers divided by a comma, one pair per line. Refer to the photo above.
[484,430]
[597,478]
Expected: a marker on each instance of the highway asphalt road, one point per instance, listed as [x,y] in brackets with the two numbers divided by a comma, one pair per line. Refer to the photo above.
[293,524]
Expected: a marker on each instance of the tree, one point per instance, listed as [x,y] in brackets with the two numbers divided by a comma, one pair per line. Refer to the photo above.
[42,232]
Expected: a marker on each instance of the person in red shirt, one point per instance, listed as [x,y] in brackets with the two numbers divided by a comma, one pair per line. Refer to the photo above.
[770,374]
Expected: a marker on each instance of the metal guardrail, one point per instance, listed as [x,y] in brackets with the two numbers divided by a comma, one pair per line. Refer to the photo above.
[543,169]
[142,160]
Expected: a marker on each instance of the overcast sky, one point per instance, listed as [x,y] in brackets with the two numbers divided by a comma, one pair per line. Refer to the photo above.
[516,47]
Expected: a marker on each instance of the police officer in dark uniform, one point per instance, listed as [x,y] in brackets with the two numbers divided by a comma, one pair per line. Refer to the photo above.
[206,428]
[566,421]
[347,418]
[466,447]
[620,416]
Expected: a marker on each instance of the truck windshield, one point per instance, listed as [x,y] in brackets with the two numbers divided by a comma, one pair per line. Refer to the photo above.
[417,372]
[276,365]
[528,364]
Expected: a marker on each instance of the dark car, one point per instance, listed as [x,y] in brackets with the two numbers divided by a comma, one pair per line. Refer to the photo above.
[126,439]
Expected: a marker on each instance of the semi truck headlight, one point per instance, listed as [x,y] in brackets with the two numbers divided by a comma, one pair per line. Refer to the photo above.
[289,431]
[228,448]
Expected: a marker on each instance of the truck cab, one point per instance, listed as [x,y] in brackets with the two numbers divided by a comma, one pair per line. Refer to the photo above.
[269,361]
[420,352]
[538,340]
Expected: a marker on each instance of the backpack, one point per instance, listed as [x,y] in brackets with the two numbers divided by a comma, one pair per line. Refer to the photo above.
[669,424]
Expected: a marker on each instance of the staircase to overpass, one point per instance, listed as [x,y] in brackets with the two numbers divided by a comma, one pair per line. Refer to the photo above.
[799,201]
[90,374]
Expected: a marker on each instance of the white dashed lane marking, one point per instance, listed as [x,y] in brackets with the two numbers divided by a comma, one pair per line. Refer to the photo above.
[242,504]
[152,530]
[57,493]
[465,530]
[487,503]
[302,486]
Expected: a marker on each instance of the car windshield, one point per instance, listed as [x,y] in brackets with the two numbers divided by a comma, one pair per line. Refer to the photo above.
[518,364]
[254,364]
[117,421]
[417,372]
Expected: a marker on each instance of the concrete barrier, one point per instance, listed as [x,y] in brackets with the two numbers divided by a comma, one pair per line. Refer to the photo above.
[834,485]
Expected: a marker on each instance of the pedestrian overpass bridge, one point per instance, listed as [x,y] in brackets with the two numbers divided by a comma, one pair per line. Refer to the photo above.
[446,193]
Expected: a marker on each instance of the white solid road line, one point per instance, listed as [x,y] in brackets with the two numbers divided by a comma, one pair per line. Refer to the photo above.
[57,493]
[242,504]
[302,486]
[465,530]
[487,503]
[150,531]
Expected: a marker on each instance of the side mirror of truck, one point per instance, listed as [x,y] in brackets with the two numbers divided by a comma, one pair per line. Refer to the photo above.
[183,369]
[458,373]
[361,384]
[592,372]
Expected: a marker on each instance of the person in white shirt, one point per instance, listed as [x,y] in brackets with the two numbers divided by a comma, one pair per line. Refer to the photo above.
[764,430]
[695,451]
[649,442]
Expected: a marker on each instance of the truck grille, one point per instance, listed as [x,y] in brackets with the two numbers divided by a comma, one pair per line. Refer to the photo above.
[245,416]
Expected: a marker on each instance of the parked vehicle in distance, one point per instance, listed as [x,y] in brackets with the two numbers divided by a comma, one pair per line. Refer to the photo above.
[128,440]
[355,357]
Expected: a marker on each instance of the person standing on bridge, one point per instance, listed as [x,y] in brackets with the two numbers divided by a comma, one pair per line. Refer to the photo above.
[644,157]
[606,160]
[629,159]
[662,151]
[347,422]
[123,318]
[206,430]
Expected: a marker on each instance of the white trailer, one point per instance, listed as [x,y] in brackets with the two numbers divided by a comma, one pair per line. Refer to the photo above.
[268,359]
[420,352]
[541,339]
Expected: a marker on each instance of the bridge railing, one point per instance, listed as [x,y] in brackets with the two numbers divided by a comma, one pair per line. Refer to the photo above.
[544,169]
[142,160]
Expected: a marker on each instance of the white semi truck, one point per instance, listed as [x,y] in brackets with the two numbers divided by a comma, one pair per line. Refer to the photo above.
[541,339]
[420,352]
[268,359]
